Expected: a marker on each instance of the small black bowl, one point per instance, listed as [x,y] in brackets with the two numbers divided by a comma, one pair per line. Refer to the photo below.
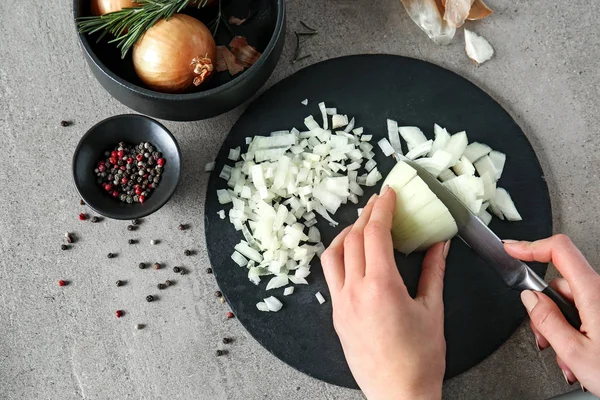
[104,136]
[265,30]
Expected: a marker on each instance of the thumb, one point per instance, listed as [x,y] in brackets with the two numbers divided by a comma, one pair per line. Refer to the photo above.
[549,321]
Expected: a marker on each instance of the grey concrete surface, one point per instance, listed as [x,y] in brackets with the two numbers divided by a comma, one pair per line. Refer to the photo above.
[65,343]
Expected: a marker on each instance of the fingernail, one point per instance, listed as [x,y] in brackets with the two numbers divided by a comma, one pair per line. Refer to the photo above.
[529,299]
[372,199]
[508,241]
[583,389]
[566,377]
[384,190]
[446,248]
[537,343]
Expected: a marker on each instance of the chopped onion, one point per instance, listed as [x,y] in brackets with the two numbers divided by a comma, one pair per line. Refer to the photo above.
[239,259]
[464,167]
[234,154]
[392,127]
[324,114]
[304,102]
[474,151]
[331,111]
[386,147]
[420,150]
[288,291]
[498,159]
[277,282]
[412,135]
[208,167]
[337,121]
[503,201]
[273,304]
[437,163]
[320,297]
[485,217]
[457,145]
[485,165]
[446,175]
[358,131]
[367,138]
[221,214]
[350,125]
[441,139]
[262,306]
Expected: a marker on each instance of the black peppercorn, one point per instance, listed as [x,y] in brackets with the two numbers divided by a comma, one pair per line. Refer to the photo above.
[220,353]
[110,255]
[182,227]
[227,340]
[176,270]
[132,241]
[168,282]
[95,219]
[135,222]
[161,286]
[187,252]
[156,266]
[218,293]
[149,298]
[64,123]
[131,227]
[142,265]
[209,270]
[81,202]
[64,247]
[119,283]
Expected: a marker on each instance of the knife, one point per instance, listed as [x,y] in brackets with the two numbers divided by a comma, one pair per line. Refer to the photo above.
[515,273]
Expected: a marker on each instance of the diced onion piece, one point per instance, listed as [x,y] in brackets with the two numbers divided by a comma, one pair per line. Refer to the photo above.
[359,211]
[324,115]
[485,165]
[437,163]
[331,111]
[297,281]
[457,145]
[412,135]
[225,172]
[503,201]
[478,49]
[208,167]
[485,217]
[441,139]
[314,235]
[248,140]
[310,123]
[248,251]
[288,291]
[350,125]
[464,167]
[392,127]
[370,165]
[273,304]
[320,297]
[221,214]
[337,121]
[262,306]
[304,102]
[277,282]
[239,259]
[223,196]
[474,151]
[386,147]
[446,175]
[498,159]
[419,150]
[234,154]
[367,138]
[358,131]
[373,177]
[489,186]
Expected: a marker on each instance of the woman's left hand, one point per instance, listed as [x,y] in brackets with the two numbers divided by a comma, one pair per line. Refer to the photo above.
[394,344]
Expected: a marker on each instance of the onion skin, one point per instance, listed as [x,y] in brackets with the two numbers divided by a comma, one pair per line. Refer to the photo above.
[175,54]
[101,7]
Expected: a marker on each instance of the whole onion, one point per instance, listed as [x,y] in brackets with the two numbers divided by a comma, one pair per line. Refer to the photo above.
[175,54]
[101,7]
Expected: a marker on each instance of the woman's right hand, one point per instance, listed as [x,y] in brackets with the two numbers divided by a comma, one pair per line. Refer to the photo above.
[577,352]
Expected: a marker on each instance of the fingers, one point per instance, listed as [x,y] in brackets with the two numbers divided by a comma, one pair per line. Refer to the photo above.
[567,373]
[431,283]
[354,244]
[551,324]
[332,261]
[540,340]
[379,248]
[559,250]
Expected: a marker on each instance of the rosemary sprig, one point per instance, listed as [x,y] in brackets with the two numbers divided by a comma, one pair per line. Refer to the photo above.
[129,24]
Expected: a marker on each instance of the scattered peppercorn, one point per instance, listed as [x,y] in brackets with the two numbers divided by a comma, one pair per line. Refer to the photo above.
[176,270]
[81,202]
[139,326]
[209,270]
[187,253]
[141,265]
[161,286]
[119,313]
[95,219]
[183,271]
[218,293]
[227,340]
[168,282]
[220,353]
[110,255]
[222,300]
[230,315]
[69,238]
[120,283]
[132,241]
[82,217]
[64,247]
[135,222]
[153,242]
[182,227]
[131,227]
[64,123]
[149,298]
[62,283]
[157,266]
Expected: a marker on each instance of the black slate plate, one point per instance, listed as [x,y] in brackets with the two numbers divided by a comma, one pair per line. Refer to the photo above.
[481,312]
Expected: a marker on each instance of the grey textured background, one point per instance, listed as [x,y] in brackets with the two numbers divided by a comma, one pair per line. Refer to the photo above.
[65,343]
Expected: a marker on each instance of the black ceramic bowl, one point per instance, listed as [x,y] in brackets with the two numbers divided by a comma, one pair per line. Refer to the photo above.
[104,136]
[264,30]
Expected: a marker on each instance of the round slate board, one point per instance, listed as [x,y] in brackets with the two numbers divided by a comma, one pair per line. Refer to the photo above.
[480,311]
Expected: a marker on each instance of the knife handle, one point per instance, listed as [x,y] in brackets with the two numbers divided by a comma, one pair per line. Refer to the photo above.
[568,310]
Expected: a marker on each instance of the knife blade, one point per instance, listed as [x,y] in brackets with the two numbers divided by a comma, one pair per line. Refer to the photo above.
[477,235]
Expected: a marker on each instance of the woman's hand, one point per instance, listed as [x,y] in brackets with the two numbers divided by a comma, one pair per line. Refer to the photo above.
[394,344]
[577,352]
